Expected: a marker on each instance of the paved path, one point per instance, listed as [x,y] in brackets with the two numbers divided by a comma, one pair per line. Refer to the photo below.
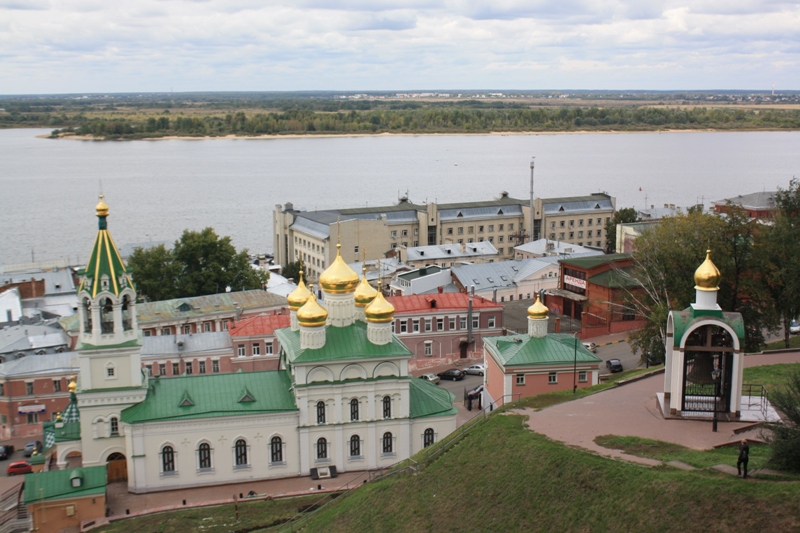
[631,410]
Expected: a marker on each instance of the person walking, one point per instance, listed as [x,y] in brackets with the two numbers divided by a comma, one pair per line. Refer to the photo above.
[744,456]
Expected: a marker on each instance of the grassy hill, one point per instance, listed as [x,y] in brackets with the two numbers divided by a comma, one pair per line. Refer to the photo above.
[503,477]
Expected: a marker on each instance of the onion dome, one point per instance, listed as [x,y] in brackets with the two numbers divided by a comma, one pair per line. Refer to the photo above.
[379,311]
[312,315]
[101,208]
[706,277]
[365,293]
[538,309]
[73,385]
[299,296]
[338,278]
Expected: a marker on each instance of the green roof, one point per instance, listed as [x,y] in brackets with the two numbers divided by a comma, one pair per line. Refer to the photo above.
[69,431]
[614,279]
[213,395]
[341,344]
[428,399]
[105,259]
[552,349]
[57,484]
[595,260]
[197,306]
[683,320]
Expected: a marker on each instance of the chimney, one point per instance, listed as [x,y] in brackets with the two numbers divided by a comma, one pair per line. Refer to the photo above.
[463,247]
[440,290]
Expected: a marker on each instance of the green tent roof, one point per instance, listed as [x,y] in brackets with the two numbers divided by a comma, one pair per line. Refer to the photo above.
[57,484]
[683,320]
[341,344]
[428,399]
[213,395]
[552,349]
[105,259]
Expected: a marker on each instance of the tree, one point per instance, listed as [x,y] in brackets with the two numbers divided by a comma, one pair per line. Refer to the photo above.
[292,271]
[200,263]
[623,216]
[785,442]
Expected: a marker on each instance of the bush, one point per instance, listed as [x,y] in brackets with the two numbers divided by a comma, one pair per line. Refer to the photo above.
[785,453]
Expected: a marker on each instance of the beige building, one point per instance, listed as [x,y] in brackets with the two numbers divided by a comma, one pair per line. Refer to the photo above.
[577,220]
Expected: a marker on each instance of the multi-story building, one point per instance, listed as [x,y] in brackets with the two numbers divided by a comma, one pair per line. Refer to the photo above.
[448,255]
[758,205]
[255,346]
[311,236]
[577,220]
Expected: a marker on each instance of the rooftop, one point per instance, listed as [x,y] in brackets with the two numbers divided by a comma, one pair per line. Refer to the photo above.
[573,204]
[57,484]
[259,325]
[550,247]
[591,262]
[450,251]
[428,399]
[755,201]
[194,344]
[41,364]
[31,337]
[499,275]
[207,305]
[443,301]
[552,349]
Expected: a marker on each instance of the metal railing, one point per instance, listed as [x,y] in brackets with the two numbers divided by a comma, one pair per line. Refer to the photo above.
[755,390]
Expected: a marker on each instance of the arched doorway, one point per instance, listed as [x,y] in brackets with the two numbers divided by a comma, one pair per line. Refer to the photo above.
[117,467]
[462,348]
[708,370]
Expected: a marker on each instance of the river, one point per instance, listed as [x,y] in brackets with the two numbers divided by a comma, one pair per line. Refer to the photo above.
[156,189]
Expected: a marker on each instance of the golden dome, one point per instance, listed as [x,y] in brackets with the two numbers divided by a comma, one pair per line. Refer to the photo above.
[338,278]
[365,293]
[379,311]
[299,296]
[101,208]
[73,386]
[538,309]
[312,315]
[706,277]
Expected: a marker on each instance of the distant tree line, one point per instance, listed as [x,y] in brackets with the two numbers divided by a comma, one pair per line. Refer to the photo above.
[436,120]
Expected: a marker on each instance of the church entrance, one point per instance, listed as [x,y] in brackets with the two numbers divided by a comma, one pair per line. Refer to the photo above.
[117,468]
[708,371]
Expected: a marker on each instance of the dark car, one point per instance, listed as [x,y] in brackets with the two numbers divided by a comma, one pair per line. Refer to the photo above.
[31,446]
[5,451]
[18,468]
[453,373]
[614,365]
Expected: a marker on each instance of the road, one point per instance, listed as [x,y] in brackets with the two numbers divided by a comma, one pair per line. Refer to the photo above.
[621,351]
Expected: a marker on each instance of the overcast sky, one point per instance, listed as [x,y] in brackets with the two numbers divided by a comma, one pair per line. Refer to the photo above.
[59,46]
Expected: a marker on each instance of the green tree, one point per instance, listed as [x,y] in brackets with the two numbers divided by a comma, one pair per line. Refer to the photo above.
[623,216]
[292,271]
[785,442]
[200,263]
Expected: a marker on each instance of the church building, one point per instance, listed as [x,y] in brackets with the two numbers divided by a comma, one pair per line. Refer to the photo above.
[341,400]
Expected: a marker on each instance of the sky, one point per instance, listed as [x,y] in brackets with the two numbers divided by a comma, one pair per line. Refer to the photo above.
[74,46]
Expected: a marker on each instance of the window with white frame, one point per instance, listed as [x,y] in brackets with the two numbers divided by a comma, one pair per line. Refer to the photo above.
[428,437]
[440,324]
[322,448]
[204,456]
[240,350]
[475,322]
[355,446]
[189,368]
[387,443]
[428,324]
[275,450]
[166,331]
[320,412]
[268,348]
[113,424]
[240,453]
[387,407]
[428,347]
[520,379]
[56,385]
[491,321]
[187,329]
[354,410]
[33,418]
[215,366]
[403,326]
[176,369]
[206,326]
[167,460]
[415,325]
[582,376]
[452,322]
[552,377]
[202,367]
[256,349]
[111,370]
[463,324]
[162,369]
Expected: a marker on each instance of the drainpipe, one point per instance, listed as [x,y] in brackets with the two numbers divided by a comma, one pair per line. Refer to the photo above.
[469,321]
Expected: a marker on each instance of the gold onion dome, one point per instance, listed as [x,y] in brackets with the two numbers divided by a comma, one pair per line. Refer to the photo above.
[365,293]
[299,296]
[538,309]
[706,277]
[312,315]
[73,385]
[101,208]
[379,311]
[338,278]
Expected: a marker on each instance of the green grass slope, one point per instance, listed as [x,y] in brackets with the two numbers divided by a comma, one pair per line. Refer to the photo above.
[503,477]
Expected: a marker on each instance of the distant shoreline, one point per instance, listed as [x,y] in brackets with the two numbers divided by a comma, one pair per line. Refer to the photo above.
[388,134]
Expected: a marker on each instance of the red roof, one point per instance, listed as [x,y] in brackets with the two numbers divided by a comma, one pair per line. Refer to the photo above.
[259,325]
[418,303]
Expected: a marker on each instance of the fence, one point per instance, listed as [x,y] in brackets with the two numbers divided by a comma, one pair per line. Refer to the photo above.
[756,397]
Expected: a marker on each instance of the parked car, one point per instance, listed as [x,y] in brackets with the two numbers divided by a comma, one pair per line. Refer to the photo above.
[592,347]
[433,378]
[479,369]
[5,451]
[614,365]
[453,373]
[31,446]
[19,467]
[474,393]
[794,327]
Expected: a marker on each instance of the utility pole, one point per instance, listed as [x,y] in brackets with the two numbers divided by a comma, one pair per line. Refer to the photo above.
[532,211]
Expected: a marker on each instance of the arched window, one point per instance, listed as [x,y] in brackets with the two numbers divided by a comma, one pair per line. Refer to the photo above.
[322,448]
[355,446]
[387,442]
[204,456]
[167,459]
[320,412]
[354,410]
[113,424]
[126,317]
[387,407]
[276,450]
[107,316]
[87,315]
[427,437]
[241,452]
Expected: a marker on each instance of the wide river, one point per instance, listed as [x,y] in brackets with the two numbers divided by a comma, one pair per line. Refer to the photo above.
[156,189]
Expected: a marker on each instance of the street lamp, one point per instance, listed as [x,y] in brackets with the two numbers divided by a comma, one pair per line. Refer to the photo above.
[575,366]
[715,375]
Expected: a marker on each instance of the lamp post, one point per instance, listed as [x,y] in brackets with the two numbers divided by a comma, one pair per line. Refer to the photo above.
[715,375]
[575,366]
[532,238]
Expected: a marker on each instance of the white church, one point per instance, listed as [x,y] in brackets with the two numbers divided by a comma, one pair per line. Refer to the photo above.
[341,401]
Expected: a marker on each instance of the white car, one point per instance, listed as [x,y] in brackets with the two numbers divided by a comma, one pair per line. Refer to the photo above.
[479,369]
[592,347]
[433,378]
[794,327]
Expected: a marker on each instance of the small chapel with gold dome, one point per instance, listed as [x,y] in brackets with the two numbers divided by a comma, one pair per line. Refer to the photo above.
[342,399]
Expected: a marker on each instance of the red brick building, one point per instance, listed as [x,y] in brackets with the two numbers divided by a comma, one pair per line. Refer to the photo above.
[255,346]
[758,205]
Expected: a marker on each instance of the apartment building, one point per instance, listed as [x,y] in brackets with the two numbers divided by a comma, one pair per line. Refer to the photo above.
[577,220]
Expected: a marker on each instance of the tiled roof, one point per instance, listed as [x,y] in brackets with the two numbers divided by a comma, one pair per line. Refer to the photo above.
[428,399]
[213,395]
[341,344]
[452,300]
[259,325]
[591,262]
[57,484]
[552,349]
[198,306]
